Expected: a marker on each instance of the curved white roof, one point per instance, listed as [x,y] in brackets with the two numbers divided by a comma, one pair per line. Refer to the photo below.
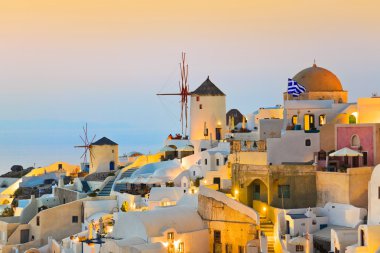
[154,223]
[167,170]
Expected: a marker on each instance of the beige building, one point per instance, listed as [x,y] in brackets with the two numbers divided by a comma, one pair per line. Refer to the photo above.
[349,187]
[232,225]
[207,112]
[281,186]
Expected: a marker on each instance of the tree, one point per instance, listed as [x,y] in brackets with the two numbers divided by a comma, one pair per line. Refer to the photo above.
[17,168]
[7,212]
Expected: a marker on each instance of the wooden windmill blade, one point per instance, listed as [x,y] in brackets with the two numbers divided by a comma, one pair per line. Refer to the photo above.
[184,92]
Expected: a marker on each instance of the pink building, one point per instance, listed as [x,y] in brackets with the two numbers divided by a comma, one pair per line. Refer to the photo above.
[364,138]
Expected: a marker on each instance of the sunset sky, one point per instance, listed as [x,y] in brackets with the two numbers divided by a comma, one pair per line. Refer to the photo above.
[67,62]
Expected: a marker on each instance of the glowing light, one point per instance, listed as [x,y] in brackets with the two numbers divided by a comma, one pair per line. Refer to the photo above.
[176,243]
[165,244]
[264,209]
[236,192]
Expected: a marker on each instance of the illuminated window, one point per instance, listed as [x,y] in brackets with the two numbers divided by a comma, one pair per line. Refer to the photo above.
[181,247]
[299,248]
[171,236]
[295,120]
[308,122]
[322,119]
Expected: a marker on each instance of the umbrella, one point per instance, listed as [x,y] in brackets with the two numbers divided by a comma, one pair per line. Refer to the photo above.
[299,240]
[167,149]
[346,152]
[186,148]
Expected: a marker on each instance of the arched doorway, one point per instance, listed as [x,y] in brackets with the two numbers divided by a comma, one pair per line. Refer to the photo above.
[257,191]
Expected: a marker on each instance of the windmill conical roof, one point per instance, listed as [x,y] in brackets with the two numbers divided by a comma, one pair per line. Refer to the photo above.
[208,88]
[104,141]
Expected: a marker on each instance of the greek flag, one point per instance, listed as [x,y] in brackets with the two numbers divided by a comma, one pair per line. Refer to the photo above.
[295,88]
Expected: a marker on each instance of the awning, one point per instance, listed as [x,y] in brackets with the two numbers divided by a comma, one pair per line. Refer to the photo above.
[345,152]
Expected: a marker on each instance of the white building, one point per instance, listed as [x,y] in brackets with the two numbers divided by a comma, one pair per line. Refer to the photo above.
[171,229]
[207,112]
[374,197]
[165,196]
[104,155]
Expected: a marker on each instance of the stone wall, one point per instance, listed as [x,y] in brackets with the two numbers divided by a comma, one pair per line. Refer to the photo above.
[346,188]
[300,178]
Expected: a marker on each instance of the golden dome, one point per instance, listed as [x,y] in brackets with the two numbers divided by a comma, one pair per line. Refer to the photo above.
[318,79]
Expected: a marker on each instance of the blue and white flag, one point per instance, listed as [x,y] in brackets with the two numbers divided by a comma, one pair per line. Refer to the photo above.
[295,88]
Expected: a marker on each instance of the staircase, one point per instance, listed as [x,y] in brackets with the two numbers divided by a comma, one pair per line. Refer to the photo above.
[267,227]
[126,174]
[106,191]
[86,187]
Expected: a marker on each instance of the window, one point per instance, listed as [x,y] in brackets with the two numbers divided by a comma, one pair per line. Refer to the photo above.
[205,133]
[181,247]
[308,142]
[205,161]
[322,119]
[200,106]
[170,236]
[355,141]
[60,166]
[74,219]
[217,162]
[377,196]
[241,249]
[197,98]
[295,120]
[284,191]
[194,173]
[322,155]
[38,220]
[225,160]
[228,248]
[352,119]
[217,236]
[299,248]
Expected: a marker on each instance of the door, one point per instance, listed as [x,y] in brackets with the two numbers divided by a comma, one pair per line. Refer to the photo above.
[217,181]
[365,158]
[256,192]
[218,133]
[112,165]
[24,235]
[287,227]
[309,122]
[355,161]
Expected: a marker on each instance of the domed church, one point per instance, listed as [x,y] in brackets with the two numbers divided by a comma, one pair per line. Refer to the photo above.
[320,84]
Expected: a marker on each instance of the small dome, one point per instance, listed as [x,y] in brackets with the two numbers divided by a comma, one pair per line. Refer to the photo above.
[318,79]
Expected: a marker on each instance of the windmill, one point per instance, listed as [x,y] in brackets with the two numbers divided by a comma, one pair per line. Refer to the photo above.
[86,145]
[184,92]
